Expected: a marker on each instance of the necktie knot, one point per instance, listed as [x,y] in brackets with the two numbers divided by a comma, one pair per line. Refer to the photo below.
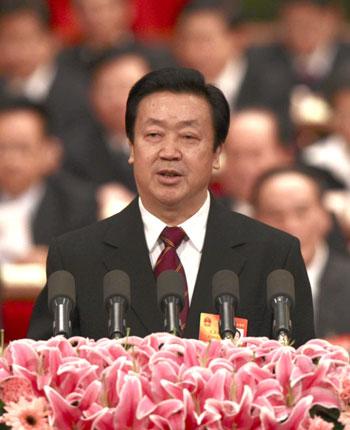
[172,236]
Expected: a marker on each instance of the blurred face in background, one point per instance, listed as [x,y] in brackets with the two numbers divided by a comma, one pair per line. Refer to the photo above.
[341,121]
[251,148]
[110,88]
[25,44]
[104,22]
[203,41]
[26,154]
[303,26]
[291,202]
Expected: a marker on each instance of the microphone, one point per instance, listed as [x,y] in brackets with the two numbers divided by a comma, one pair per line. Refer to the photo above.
[225,291]
[170,287]
[116,296]
[61,300]
[281,296]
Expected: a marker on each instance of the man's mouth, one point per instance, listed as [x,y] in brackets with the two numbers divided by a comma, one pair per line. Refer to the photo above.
[169,173]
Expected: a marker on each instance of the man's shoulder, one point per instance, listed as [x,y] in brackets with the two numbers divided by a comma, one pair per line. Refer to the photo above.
[98,231]
[249,229]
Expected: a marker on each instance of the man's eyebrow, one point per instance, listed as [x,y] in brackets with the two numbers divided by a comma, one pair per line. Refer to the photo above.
[184,123]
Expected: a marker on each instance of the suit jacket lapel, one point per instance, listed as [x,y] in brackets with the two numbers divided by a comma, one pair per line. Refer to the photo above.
[126,249]
[222,250]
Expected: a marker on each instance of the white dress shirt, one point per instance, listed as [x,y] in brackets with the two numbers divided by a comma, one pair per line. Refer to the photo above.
[332,154]
[189,251]
[315,270]
[16,223]
[231,77]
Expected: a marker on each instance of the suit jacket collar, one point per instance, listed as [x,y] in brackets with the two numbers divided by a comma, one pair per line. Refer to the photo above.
[126,249]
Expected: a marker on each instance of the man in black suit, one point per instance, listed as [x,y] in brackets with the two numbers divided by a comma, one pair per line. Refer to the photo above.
[36,204]
[290,198]
[176,125]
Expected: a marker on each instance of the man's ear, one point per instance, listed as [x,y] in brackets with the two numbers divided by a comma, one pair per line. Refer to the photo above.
[52,155]
[131,156]
[217,156]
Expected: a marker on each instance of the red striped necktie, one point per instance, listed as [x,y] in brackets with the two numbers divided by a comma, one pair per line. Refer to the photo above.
[169,260]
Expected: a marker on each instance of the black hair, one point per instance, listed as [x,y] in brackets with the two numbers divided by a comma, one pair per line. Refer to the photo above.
[183,81]
[39,8]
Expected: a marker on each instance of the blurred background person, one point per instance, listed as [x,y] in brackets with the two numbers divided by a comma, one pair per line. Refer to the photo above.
[291,199]
[29,67]
[254,144]
[106,24]
[332,153]
[102,156]
[35,203]
[209,37]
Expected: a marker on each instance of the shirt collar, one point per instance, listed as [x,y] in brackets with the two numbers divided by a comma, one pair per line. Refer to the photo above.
[194,227]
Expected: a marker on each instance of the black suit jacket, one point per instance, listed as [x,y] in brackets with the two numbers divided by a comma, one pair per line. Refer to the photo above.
[333,316]
[271,77]
[91,159]
[232,241]
[67,204]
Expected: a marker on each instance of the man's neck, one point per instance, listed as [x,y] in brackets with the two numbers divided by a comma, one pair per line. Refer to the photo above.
[173,216]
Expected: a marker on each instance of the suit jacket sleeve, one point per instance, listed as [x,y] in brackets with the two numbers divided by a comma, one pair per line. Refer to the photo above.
[302,313]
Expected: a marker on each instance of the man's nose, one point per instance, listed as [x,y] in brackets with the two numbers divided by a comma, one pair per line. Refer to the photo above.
[170,149]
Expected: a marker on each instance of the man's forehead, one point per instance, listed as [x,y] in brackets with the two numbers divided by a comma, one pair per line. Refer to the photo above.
[185,106]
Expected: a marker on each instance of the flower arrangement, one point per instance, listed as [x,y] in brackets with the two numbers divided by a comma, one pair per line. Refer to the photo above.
[164,382]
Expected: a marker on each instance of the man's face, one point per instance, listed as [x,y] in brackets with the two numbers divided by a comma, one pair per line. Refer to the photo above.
[103,21]
[111,87]
[203,42]
[302,25]
[24,44]
[22,151]
[290,202]
[173,153]
[251,148]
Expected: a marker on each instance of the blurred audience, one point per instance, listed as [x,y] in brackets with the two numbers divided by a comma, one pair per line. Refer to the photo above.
[35,204]
[291,199]
[102,156]
[28,67]
[306,59]
[254,144]
[208,37]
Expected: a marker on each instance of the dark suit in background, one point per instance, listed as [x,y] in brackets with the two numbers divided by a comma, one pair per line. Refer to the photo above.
[92,160]
[232,241]
[67,204]
[333,316]
[273,76]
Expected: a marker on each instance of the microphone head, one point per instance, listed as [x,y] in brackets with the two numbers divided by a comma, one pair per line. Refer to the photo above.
[61,284]
[116,283]
[280,282]
[170,283]
[225,282]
